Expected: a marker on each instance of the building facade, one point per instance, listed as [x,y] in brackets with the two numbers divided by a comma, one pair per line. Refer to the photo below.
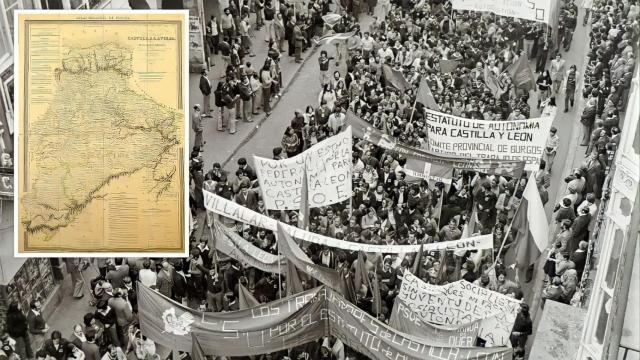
[611,329]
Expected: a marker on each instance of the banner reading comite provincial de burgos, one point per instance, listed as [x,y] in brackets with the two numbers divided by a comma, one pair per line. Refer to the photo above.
[520,140]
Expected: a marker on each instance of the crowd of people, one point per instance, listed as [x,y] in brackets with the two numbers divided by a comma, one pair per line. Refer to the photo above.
[247,89]
[418,39]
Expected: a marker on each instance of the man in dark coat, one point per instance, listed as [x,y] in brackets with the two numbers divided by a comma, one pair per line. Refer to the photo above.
[56,346]
[179,282]
[579,258]
[486,202]
[205,89]
[580,229]
[522,327]
[594,175]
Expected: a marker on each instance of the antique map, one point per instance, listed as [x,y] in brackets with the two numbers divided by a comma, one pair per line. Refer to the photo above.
[101,117]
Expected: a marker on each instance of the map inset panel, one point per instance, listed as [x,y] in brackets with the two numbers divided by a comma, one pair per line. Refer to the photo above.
[101,131]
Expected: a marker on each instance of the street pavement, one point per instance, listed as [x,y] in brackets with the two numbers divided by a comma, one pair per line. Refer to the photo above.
[220,146]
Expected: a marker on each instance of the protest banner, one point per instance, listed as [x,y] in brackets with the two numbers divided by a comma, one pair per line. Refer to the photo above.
[534,10]
[365,131]
[405,320]
[461,303]
[280,181]
[285,324]
[519,140]
[278,325]
[230,243]
[328,169]
[377,340]
[328,165]
[224,207]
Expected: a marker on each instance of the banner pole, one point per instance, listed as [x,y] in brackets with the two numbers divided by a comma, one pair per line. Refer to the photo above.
[279,275]
[215,251]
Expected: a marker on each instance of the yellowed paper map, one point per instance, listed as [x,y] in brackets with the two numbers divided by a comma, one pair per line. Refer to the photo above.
[101,131]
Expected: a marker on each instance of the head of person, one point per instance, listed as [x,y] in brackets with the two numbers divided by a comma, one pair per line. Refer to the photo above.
[41,354]
[56,337]
[78,330]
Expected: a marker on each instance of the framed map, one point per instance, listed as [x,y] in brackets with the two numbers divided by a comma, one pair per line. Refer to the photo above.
[101,121]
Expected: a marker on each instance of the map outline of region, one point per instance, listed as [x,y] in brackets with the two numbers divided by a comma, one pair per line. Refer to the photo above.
[168,125]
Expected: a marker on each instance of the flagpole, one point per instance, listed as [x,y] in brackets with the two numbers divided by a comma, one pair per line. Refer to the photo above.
[504,240]
[506,234]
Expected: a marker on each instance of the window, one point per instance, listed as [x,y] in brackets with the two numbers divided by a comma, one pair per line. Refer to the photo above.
[603,317]
[8,9]
[78,4]
[6,48]
[614,259]
[51,4]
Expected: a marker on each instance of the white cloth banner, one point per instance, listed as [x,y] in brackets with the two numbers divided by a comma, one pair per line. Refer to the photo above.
[461,303]
[224,207]
[520,140]
[534,10]
[328,166]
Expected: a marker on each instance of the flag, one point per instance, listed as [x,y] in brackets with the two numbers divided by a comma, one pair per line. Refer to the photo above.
[417,262]
[470,226]
[303,216]
[332,37]
[493,278]
[437,213]
[425,96]
[395,78]
[532,228]
[347,289]
[448,65]
[377,299]
[521,74]
[296,257]
[246,300]
[442,273]
[331,19]
[361,276]
[492,82]
[294,282]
